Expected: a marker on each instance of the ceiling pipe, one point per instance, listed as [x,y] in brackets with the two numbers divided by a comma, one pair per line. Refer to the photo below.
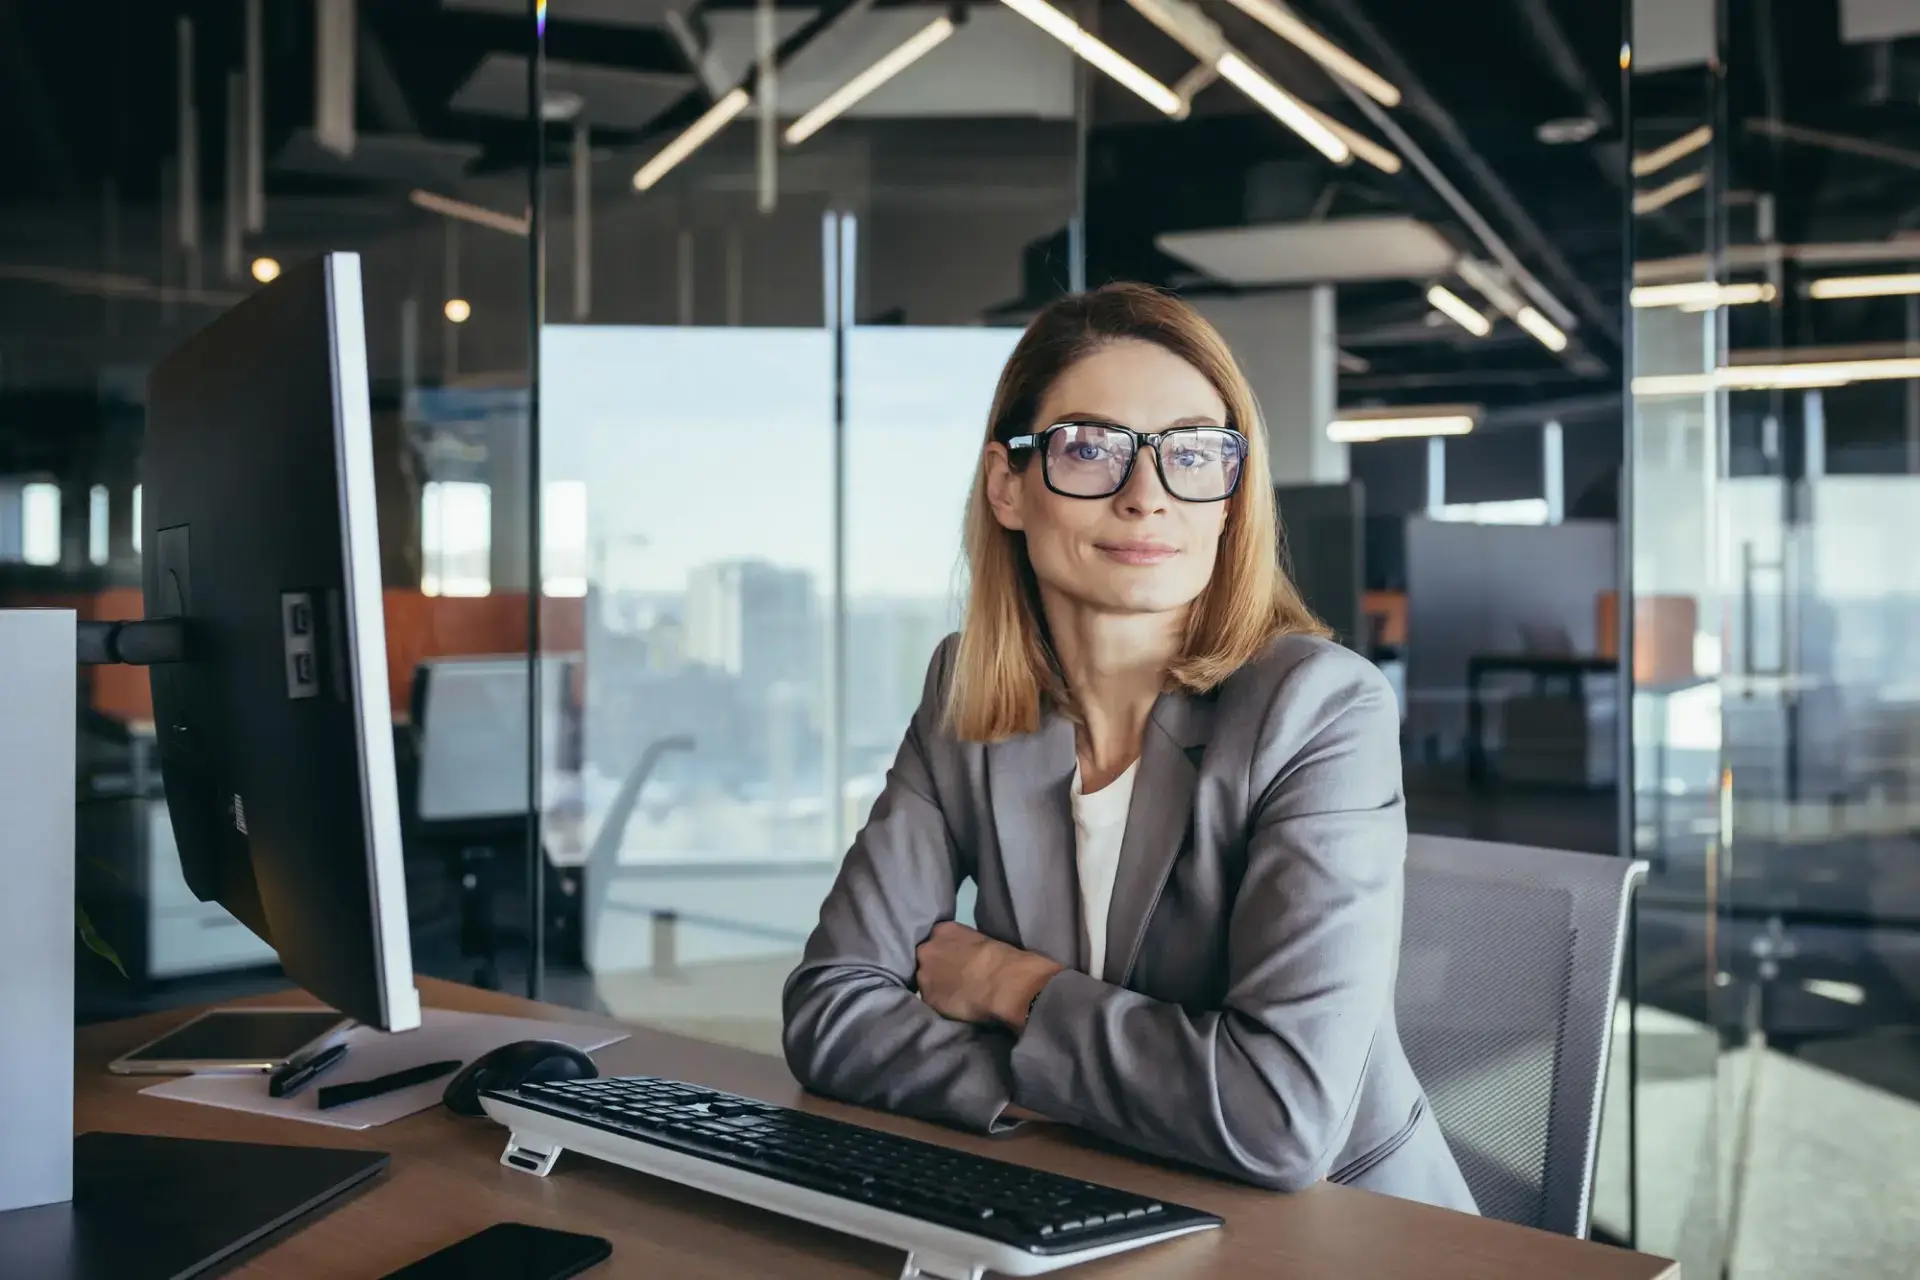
[1422,104]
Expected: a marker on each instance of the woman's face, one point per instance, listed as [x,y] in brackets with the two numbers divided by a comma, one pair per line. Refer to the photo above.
[1137,551]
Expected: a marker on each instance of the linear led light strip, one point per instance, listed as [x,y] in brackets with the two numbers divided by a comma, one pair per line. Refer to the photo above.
[1864,286]
[1284,24]
[480,215]
[1444,420]
[1770,377]
[1071,34]
[1699,295]
[1201,37]
[916,46]
[1323,133]
[1528,317]
[1650,162]
[713,120]
[1457,309]
[1660,197]
[1283,106]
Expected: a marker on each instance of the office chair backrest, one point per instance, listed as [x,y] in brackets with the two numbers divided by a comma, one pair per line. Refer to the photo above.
[1509,970]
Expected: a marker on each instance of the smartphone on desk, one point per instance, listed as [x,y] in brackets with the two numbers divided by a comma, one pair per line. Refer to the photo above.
[511,1251]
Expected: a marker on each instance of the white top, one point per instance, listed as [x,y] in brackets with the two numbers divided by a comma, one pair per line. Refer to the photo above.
[1099,822]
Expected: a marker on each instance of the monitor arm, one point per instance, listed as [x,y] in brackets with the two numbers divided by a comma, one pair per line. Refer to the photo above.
[137,644]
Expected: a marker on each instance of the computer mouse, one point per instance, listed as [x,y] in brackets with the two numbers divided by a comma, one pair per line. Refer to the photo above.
[523,1062]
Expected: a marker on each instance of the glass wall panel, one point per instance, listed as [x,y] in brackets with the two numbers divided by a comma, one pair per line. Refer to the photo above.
[177,170]
[1671,1091]
[917,401]
[768,364]
[1820,481]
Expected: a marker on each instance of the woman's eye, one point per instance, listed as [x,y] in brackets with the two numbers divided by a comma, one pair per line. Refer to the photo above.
[1193,458]
[1086,452]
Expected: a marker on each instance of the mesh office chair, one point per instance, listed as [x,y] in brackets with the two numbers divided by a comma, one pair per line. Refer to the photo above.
[1509,970]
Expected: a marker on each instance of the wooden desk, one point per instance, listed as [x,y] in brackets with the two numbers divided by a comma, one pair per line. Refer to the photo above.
[446,1182]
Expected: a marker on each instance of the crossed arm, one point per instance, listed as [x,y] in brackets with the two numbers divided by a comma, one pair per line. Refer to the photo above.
[895,1006]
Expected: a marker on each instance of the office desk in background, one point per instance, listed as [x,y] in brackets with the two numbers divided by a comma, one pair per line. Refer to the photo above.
[446,1182]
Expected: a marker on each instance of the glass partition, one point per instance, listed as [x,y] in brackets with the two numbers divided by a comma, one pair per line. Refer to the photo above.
[185,166]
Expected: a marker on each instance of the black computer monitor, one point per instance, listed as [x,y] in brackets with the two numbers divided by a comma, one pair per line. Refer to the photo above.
[274,734]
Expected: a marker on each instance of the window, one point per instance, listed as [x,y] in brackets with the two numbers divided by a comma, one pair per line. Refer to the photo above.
[701,512]
[99,509]
[917,402]
[456,538]
[40,523]
[563,539]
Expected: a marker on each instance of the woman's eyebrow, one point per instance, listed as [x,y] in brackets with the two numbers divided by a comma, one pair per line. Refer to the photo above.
[1192,420]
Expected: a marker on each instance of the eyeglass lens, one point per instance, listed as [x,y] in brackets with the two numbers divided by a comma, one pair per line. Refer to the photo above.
[1197,464]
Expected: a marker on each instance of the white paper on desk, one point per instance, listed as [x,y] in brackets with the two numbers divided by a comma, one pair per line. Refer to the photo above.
[442,1036]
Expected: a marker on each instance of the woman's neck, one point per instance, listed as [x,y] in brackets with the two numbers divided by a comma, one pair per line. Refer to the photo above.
[1115,665]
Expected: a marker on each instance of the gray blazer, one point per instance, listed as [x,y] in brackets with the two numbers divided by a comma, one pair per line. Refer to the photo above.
[1244,1022]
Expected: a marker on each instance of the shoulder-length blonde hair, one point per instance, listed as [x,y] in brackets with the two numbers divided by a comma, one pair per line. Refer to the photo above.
[1006,671]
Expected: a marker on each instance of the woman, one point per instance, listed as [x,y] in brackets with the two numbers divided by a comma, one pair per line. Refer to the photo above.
[1179,802]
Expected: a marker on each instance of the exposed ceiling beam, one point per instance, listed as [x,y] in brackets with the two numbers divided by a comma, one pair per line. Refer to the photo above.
[1423,106]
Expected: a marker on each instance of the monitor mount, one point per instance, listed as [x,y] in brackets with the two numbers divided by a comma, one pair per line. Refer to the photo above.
[141,643]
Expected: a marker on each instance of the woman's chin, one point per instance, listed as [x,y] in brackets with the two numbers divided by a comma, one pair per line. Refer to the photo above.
[1143,597]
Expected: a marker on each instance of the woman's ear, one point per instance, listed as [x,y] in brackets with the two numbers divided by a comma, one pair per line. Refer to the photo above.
[1005,491]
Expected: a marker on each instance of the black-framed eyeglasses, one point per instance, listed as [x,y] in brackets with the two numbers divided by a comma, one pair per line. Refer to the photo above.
[1095,459]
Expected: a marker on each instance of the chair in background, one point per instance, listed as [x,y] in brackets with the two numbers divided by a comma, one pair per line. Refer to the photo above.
[463,772]
[1510,964]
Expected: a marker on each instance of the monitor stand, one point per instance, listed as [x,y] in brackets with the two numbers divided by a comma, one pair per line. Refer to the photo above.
[154,1208]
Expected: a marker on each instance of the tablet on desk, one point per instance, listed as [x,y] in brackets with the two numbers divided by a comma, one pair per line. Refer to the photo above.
[232,1040]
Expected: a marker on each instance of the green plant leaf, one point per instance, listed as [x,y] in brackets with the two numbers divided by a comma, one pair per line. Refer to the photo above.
[95,943]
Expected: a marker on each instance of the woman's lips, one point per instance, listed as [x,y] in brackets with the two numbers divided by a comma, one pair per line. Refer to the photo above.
[1137,552]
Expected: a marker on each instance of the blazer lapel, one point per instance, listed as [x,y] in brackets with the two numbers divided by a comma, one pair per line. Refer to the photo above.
[1029,781]
[1157,822]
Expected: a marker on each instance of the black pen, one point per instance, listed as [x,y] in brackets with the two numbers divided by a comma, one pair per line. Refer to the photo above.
[339,1095]
[296,1075]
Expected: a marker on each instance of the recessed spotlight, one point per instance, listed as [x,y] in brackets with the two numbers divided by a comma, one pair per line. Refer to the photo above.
[1567,130]
[266,270]
[458,309]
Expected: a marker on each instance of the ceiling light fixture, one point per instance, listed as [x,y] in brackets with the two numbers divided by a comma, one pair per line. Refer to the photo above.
[1457,309]
[1660,197]
[1283,106]
[1283,23]
[1489,282]
[1864,286]
[1566,131]
[1550,335]
[713,120]
[1699,295]
[1071,34]
[266,270]
[479,215]
[916,46]
[1650,162]
[1361,426]
[458,310]
[1777,377]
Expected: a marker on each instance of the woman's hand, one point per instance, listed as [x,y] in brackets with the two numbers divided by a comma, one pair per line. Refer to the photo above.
[969,977]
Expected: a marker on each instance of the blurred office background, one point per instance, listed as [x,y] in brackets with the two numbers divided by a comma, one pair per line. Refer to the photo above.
[681,435]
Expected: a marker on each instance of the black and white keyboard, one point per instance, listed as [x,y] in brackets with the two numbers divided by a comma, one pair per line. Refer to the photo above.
[957,1215]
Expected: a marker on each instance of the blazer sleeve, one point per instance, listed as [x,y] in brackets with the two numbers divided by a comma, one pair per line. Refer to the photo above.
[856,1029]
[1263,1088]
